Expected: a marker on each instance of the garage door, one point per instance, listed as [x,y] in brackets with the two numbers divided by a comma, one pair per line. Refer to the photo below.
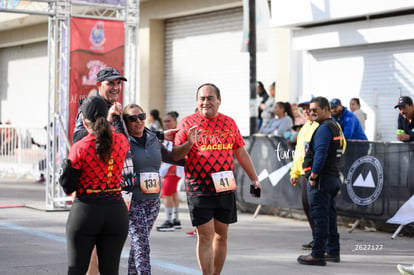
[377,74]
[24,85]
[206,48]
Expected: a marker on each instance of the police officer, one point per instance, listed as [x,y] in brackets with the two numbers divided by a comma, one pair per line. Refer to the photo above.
[320,165]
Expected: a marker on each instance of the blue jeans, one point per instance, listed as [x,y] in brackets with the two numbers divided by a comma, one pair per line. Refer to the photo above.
[322,210]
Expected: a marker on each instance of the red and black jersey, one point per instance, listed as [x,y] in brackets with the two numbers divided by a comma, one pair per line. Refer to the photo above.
[212,152]
[99,179]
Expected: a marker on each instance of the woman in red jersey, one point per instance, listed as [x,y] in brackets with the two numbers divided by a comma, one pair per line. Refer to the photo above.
[98,215]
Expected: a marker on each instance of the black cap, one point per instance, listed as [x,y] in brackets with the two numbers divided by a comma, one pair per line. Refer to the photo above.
[109,74]
[94,107]
[335,102]
[403,100]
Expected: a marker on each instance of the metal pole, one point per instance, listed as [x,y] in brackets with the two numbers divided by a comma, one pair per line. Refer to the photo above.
[252,54]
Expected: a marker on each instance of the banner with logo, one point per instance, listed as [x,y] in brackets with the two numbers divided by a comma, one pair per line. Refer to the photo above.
[94,45]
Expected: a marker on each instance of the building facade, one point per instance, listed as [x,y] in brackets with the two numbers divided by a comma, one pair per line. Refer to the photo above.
[347,49]
[182,44]
[332,48]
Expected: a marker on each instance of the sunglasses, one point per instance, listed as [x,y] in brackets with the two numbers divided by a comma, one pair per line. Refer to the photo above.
[134,118]
[313,110]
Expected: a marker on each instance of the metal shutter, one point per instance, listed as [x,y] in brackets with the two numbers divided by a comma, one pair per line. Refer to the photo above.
[24,84]
[206,48]
[377,74]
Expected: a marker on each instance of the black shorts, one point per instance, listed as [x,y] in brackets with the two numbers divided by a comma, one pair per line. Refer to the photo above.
[222,208]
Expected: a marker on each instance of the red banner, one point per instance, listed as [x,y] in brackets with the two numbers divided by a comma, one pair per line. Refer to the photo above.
[94,45]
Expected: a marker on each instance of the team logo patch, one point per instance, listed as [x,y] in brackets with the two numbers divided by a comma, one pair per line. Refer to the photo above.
[365,180]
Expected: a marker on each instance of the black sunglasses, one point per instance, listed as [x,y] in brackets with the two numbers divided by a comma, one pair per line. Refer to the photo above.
[141,116]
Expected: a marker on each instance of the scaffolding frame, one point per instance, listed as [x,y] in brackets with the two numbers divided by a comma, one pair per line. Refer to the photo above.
[59,13]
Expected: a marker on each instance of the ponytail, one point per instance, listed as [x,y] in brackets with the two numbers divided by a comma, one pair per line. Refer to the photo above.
[103,132]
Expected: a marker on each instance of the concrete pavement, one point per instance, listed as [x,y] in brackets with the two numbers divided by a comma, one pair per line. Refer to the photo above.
[32,241]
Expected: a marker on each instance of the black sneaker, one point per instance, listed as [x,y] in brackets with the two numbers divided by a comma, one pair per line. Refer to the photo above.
[307,246]
[166,227]
[177,224]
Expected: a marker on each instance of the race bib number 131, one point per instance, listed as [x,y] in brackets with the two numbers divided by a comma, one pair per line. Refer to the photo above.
[224,181]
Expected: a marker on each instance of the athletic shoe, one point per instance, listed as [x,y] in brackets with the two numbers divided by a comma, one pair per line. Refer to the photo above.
[191,233]
[405,270]
[177,224]
[167,226]
[307,246]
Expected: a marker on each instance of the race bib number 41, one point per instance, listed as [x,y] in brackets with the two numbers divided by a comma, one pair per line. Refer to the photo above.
[224,181]
[150,183]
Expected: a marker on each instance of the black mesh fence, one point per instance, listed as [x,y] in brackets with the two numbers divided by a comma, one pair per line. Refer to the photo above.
[376,176]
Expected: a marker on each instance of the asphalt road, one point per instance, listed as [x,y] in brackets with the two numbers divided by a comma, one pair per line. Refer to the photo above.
[32,241]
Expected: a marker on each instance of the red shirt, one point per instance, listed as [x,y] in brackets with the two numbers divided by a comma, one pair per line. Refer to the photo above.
[212,152]
[172,171]
[99,179]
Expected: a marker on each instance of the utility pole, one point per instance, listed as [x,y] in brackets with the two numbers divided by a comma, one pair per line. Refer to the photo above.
[252,55]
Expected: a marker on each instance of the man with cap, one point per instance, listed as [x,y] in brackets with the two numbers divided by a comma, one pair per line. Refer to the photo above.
[405,128]
[349,122]
[297,175]
[405,132]
[109,83]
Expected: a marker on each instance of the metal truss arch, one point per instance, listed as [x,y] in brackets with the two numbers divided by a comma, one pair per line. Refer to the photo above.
[59,13]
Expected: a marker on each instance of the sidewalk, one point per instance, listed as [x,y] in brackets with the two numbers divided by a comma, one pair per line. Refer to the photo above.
[33,241]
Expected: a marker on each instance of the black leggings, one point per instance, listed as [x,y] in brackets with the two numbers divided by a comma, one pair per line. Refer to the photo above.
[103,223]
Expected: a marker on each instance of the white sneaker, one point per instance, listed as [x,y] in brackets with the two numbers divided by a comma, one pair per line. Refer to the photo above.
[405,270]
